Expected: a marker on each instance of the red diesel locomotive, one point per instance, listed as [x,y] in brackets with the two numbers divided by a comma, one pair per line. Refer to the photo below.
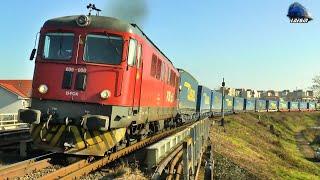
[99,83]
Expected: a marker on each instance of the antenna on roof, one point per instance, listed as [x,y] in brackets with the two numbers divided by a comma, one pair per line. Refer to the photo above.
[92,7]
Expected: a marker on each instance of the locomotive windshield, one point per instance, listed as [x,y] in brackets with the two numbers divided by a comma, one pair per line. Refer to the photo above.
[58,46]
[104,49]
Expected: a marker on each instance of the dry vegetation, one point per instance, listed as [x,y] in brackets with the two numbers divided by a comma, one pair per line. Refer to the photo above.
[263,146]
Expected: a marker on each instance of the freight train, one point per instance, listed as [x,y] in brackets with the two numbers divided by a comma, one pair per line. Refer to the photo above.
[101,84]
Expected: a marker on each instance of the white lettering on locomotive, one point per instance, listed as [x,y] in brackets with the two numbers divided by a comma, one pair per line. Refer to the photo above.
[82,70]
[69,69]
[72,93]
[170,96]
[79,70]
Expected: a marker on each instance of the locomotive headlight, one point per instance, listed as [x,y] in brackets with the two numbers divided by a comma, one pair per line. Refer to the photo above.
[83,20]
[43,89]
[105,94]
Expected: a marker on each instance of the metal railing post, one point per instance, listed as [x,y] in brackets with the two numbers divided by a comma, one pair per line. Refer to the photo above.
[188,167]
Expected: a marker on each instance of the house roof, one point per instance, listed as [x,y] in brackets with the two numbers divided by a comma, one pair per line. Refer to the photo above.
[19,87]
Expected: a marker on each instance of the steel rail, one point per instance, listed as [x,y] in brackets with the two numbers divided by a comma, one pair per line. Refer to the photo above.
[66,170]
[83,168]
[25,167]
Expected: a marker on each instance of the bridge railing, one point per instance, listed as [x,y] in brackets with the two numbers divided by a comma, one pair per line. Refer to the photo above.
[10,121]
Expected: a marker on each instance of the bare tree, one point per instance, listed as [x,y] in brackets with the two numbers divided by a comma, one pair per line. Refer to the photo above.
[316,86]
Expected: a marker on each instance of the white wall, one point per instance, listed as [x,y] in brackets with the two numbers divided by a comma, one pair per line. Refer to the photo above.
[10,103]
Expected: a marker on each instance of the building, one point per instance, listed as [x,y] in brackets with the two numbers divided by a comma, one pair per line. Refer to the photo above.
[228,91]
[297,95]
[300,95]
[14,95]
[246,93]
[269,95]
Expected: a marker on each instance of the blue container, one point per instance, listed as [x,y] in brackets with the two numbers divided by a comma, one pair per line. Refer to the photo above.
[187,96]
[303,106]
[283,106]
[272,105]
[311,106]
[294,106]
[228,104]
[238,104]
[261,105]
[249,104]
[204,101]
[216,103]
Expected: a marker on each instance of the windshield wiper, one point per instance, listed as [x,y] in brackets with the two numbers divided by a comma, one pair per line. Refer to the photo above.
[112,44]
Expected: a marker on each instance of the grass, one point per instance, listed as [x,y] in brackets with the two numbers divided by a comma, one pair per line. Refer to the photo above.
[265,146]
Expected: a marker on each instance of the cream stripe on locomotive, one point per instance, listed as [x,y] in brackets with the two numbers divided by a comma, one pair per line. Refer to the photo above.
[86,143]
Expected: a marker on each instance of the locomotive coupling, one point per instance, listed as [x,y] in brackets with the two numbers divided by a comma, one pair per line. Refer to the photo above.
[29,116]
[95,122]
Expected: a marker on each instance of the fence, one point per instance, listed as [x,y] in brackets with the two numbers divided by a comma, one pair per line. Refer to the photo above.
[10,121]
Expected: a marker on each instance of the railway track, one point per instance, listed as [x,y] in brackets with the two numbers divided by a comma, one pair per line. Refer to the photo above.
[80,168]
[22,168]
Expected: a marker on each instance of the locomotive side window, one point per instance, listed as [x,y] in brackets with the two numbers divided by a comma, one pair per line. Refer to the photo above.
[103,49]
[163,71]
[158,74]
[132,58]
[154,66]
[58,46]
[172,78]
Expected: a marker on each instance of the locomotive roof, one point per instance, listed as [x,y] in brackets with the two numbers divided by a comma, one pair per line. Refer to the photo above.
[101,22]
[95,22]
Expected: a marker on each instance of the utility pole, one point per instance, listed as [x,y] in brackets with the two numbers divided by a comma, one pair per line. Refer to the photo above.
[222,104]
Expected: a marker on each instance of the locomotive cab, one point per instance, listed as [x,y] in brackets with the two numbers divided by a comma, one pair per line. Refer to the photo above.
[71,60]
[88,79]
[86,74]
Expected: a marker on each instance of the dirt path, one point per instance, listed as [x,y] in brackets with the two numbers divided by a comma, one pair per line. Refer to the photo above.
[304,147]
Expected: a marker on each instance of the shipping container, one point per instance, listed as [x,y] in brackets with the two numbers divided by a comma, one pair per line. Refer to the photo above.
[283,106]
[303,106]
[249,105]
[311,106]
[204,101]
[317,106]
[228,104]
[261,105]
[294,106]
[238,104]
[216,103]
[187,97]
[272,106]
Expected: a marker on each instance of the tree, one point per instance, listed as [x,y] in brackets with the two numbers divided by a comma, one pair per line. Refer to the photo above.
[316,86]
